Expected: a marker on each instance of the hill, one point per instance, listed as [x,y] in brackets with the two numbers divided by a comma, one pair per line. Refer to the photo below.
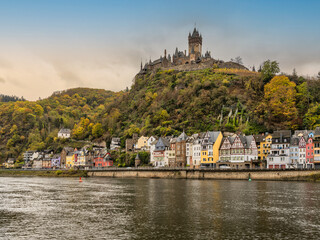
[162,102]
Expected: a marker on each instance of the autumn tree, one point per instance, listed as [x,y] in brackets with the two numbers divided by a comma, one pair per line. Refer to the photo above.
[97,130]
[280,102]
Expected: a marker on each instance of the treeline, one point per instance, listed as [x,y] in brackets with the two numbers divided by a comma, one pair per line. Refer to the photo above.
[6,98]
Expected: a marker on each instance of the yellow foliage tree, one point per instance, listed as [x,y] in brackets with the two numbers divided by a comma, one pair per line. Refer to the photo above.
[280,102]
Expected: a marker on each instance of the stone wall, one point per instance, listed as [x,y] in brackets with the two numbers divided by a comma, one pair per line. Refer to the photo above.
[209,174]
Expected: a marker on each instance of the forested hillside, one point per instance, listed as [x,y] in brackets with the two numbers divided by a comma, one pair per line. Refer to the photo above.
[164,102]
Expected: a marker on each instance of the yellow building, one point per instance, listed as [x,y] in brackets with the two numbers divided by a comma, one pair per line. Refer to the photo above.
[210,148]
[142,143]
[263,144]
[70,160]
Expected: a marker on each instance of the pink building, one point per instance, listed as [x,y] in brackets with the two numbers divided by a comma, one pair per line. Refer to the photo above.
[309,153]
[103,160]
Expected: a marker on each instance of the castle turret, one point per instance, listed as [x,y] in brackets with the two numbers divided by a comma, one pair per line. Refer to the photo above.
[176,52]
[195,45]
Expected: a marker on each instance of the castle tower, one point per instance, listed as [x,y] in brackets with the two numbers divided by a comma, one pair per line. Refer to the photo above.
[195,45]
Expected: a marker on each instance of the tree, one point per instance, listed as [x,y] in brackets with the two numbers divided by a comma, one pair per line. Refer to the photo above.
[237,60]
[312,118]
[318,75]
[279,102]
[294,73]
[268,70]
[97,130]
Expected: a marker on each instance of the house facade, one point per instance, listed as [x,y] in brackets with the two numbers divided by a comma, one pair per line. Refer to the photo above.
[103,161]
[196,151]
[238,152]
[310,153]
[316,142]
[302,153]
[180,150]
[294,152]
[159,152]
[210,146]
[279,156]
[115,143]
[55,161]
[64,133]
[142,143]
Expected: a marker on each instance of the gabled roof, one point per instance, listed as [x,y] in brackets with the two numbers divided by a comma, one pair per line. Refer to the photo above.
[107,156]
[213,136]
[245,140]
[183,137]
[231,139]
[249,139]
[162,142]
[115,139]
[281,133]
[294,141]
[155,137]
[210,137]
[259,138]
[65,130]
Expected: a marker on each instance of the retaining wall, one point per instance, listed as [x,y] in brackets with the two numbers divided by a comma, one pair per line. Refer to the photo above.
[209,174]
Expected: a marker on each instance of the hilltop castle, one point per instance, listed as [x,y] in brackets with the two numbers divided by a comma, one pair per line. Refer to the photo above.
[194,60]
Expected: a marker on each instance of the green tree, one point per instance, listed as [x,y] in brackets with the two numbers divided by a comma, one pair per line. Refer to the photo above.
[268,70]
[312,117]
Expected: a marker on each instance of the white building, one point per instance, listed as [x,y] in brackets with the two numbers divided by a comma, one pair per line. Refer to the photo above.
[150,141]
[196,151]
[302,152]
[115,144]
[294,152]
[279,156]
[64,133]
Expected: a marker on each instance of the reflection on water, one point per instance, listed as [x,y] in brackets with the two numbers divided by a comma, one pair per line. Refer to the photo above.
[105,208]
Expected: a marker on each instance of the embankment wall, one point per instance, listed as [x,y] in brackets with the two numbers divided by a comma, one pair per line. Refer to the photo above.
[210,174]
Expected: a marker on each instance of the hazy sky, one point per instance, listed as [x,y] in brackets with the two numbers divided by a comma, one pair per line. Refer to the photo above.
[58,44]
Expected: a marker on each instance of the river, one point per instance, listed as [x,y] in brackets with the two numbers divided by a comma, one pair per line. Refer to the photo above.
[108,208]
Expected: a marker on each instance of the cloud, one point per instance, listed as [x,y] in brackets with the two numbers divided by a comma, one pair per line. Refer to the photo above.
[39,73]
[33,70]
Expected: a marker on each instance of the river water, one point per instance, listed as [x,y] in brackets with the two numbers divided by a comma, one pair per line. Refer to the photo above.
[107,208]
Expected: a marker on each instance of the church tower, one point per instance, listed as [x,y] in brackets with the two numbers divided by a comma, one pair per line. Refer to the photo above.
[195,45]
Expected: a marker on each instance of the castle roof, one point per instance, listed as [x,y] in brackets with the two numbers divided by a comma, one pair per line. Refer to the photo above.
[195,33]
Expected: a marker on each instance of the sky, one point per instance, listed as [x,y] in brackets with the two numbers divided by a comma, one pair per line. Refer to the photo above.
[52,45]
